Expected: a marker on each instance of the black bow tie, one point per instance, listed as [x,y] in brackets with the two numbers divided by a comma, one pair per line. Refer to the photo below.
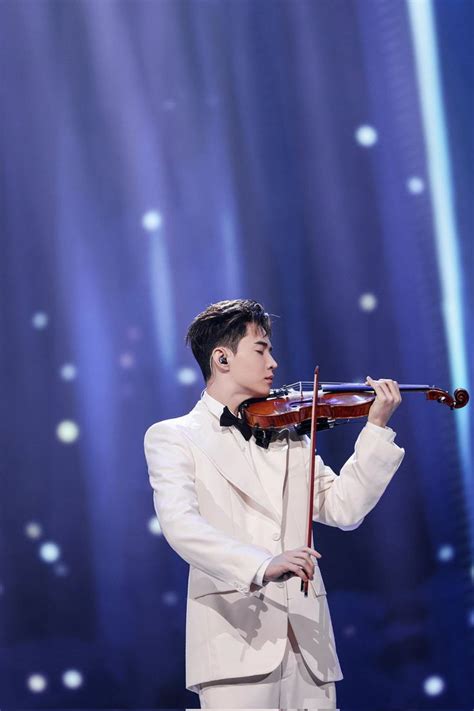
[230,420]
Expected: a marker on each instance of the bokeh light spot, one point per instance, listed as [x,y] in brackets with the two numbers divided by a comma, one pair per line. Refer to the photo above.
[187,376]
[68,371]
[40,320]
[170,598]
[152,221]
[154,526]
[67,431]
[415,185]
[433,686]
[366,135]
[445,553]
[368,302]
[33,530]
[61,570]
[72,679]
[49,552]
[127,360]
[37,683]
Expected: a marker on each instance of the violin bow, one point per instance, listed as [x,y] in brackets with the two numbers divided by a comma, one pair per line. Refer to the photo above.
[312,454]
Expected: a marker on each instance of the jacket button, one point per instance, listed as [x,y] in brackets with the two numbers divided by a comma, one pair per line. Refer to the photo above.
[281,585]
[276,536]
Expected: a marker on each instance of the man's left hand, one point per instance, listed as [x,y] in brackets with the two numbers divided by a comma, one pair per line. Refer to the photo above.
[387,400]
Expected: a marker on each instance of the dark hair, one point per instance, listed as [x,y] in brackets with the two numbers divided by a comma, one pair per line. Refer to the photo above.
[223,324]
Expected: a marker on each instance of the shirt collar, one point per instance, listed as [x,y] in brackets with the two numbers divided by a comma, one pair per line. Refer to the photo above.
[212,404]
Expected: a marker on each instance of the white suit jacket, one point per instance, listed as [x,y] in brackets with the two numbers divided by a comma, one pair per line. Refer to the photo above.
[215,514]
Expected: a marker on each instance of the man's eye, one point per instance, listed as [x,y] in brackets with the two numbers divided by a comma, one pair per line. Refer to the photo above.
[260,352]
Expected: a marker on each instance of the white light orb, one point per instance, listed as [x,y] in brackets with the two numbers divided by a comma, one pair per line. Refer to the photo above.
[49,552]
[366,136]
[154,526]
[67,431]
[33,530]
[433,686]
[37,683]
[170,598]
[415,185]
[152,221]
[368,302]
[127,360]
[445,553]
[187,376]
[40,320]
[68,371]
[72,679]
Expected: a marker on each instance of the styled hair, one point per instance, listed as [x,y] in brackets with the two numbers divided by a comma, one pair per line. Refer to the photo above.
[223,324]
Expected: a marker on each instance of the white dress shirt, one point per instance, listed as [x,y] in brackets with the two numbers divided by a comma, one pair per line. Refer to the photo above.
[261,460]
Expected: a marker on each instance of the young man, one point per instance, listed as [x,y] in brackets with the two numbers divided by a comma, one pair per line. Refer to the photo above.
[236,512]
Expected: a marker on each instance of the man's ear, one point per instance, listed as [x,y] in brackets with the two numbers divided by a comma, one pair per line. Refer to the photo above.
[220,358]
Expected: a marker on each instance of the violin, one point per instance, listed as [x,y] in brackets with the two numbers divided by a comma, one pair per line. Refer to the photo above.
[337,403]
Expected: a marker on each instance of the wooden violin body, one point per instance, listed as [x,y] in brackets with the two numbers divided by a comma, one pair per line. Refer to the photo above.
[292,405]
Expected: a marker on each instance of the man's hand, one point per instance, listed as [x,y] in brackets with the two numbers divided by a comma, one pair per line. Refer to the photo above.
[290,563]
[386,401]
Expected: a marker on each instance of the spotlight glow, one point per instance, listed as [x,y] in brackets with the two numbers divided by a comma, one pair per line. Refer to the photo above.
[445,553]
[187,376]
[368,302]
[433,686]
[170,598]
[68,371]
[415,185]
[152,221]
[67,431]
[37,683]
[366,136]
[72,679]
[33,530]
[61,570]
[127,360]
[154,526]
[40,320]
[49,552]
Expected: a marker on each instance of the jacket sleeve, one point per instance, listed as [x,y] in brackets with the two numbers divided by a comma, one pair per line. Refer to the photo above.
[171,473]
[345,500]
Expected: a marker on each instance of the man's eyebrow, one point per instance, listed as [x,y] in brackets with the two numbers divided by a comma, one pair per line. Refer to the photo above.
[264,344]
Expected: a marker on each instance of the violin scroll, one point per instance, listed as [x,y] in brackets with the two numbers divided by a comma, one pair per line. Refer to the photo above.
[459,399]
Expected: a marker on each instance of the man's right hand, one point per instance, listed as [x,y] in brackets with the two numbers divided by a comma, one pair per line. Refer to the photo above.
[290,563]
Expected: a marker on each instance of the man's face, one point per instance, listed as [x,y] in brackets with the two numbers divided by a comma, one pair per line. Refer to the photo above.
[252,366]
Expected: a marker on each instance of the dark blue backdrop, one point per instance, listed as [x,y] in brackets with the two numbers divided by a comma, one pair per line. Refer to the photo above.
[158,156]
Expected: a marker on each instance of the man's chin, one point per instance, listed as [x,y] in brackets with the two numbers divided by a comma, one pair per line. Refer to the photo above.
[262,390]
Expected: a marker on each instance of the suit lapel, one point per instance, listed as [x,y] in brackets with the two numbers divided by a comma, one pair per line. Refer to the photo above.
[222,448]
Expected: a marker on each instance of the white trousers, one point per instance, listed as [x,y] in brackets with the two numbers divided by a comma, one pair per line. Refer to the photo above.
[290,686]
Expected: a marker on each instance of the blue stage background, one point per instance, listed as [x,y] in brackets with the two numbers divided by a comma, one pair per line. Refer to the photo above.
[156,157]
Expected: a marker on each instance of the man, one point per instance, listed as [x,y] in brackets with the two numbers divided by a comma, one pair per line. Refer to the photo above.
[236,512]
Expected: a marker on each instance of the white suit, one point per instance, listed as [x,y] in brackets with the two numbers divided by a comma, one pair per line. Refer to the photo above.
[217,515]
